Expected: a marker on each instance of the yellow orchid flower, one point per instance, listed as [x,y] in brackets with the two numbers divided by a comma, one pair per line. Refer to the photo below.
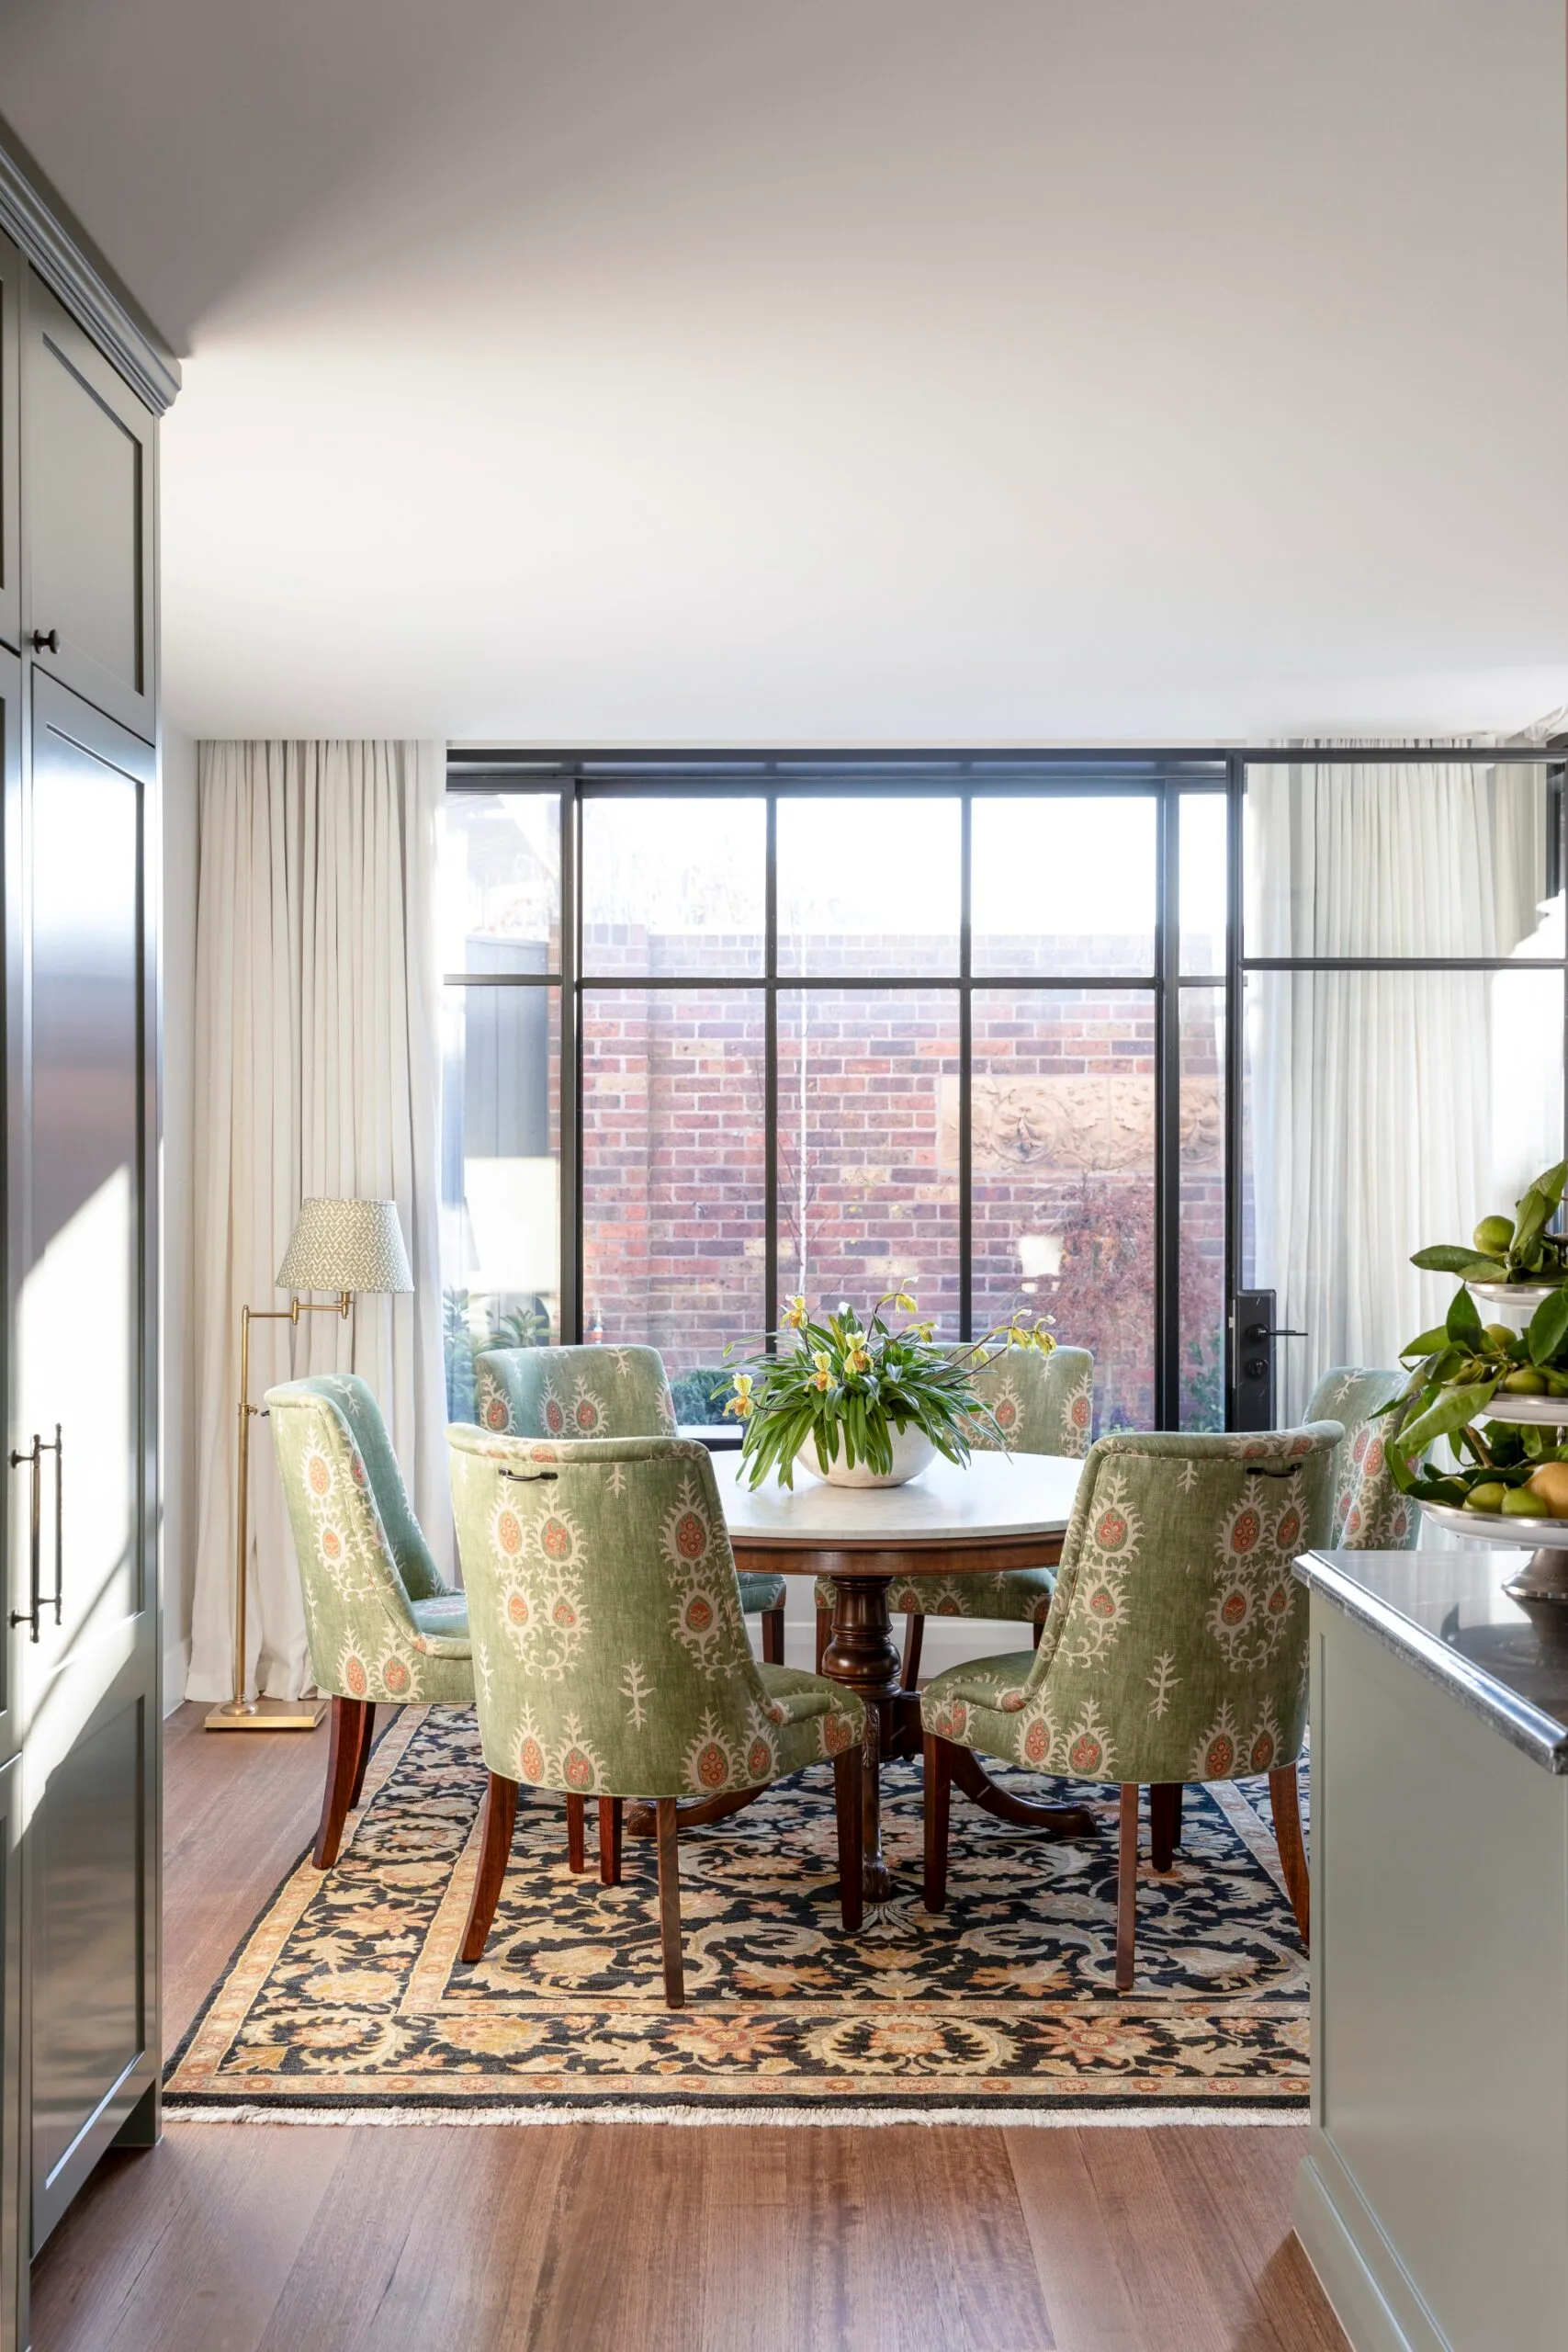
[858,1360]
[823,1376]
[742,1404]
[926,1331]
[795,1313]
[904,1303]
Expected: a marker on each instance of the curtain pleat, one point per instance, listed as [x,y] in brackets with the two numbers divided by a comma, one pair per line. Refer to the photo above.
[316,1074]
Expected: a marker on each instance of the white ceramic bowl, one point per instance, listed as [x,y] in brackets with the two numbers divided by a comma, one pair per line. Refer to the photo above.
[1540,1412]
[912,1453]
[1512,1302]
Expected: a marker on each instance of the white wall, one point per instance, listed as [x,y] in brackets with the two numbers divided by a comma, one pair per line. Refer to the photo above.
[177,1408]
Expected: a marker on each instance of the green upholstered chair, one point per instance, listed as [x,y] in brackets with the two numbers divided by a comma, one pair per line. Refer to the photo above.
[1043,1404]
[1176,1648]
[383,1625]
[611,1656]
[600,1392]
[1368,1513]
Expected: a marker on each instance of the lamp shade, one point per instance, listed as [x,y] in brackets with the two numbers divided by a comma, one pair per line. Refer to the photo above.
[347,1245]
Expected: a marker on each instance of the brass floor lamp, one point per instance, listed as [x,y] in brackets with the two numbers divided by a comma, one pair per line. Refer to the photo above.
[342,1245]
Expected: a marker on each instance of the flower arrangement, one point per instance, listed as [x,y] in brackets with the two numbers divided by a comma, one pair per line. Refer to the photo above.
[845,1388]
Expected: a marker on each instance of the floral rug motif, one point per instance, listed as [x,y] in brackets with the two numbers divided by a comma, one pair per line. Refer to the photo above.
[349,1993]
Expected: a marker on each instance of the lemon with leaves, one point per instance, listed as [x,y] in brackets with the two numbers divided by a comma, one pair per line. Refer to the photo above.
[1494,1236]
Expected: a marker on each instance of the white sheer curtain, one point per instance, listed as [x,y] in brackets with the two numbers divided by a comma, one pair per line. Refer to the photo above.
[1389,1109]
[317,1072]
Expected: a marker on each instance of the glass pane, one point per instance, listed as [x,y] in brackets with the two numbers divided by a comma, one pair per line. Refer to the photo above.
[500,1176]
[1386,1111]
[672,1175]
[1201,1192]
[1408,858]
[1063,885]
[672,885]
[1203,864]
[869,886]
[500,891]
[1062,1118]
[868,1146]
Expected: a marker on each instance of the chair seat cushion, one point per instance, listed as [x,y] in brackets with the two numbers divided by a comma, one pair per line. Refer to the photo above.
[1015,1596]
[980,1705]
[810,1717]
[760,1593]
[443,1624]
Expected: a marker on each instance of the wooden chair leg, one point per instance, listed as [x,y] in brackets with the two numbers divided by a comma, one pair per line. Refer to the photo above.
[1126,1886]
[772,1636]
[342,1765]
[824,1633]
[938,1805]
[1164,1822]
[670,1905]
[847,1797]
[501,1819]
[1038,1628]
[367,1741]
[1285,1798]
[611,1812]
[914,1631]
[576,1834]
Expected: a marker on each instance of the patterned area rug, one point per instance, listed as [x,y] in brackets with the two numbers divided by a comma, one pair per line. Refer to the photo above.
[348,1994]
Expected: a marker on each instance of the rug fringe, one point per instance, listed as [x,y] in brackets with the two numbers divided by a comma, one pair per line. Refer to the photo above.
[828,2118]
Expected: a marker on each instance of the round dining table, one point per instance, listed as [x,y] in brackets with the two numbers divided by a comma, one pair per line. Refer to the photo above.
[996,1510]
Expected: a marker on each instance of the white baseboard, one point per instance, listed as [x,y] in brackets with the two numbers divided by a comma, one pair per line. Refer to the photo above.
[948,1641]
[1373,2298]
[176,1667]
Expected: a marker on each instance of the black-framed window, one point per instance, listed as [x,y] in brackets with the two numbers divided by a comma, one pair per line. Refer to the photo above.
[829,1029]
[721,1028]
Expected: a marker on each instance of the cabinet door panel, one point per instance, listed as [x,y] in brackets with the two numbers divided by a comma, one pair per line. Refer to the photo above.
[10,400]
[81,1168]
[87,517]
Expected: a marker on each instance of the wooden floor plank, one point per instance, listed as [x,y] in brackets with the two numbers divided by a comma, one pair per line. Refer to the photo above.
[187,2247]
[637,2238]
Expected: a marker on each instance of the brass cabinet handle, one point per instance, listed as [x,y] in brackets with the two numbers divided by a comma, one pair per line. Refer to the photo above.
[33,1458]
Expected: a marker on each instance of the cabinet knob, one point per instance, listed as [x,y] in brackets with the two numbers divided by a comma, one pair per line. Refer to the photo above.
[46,641]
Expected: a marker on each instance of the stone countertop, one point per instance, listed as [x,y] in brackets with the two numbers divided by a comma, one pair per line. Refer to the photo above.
[1446,1612]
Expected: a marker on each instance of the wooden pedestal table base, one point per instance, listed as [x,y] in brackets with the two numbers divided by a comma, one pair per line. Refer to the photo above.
[998,1511]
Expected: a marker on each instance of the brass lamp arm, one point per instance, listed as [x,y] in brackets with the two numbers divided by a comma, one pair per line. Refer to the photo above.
[240,1704]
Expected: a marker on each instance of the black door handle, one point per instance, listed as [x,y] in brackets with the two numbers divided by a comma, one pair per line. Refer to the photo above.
[1279,1331]
[46,641]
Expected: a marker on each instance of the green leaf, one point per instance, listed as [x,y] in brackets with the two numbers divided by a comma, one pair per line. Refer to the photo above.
[1452,1409]
[1535,1211]
[1548,1327]
[1429,1343]
[1549,1184]
[1445,1258]
[1463,1323]
[1483,1269]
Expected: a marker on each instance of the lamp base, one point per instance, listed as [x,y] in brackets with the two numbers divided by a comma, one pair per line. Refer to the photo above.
[266,1715]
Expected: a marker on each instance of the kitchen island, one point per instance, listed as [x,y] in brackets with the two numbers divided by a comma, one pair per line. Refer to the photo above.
[1433,2199]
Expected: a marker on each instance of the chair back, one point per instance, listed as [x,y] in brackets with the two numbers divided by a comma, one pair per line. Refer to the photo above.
[1176,1646]
[361,1557]
[1043,1404]
[611,1654]
[573,1393]
[1369,1513]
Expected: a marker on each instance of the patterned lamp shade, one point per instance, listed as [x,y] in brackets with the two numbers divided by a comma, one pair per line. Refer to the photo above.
[347,1245]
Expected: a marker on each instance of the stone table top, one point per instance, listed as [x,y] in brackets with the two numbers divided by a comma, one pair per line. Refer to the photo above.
[992,1496]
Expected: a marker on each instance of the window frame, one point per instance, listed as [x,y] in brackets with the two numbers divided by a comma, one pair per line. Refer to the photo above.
[1165,776]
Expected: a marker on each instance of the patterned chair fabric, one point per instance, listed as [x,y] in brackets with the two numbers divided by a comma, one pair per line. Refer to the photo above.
[1176,1648]
[590,1393]
[1176,1645]
[1369,1513]
[610,1650]
[383,1623]
[1043,1404]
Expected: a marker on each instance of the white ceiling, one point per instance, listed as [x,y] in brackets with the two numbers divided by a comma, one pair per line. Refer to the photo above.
[846,372]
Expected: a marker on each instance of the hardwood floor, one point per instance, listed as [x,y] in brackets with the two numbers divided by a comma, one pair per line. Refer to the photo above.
[595,2237]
